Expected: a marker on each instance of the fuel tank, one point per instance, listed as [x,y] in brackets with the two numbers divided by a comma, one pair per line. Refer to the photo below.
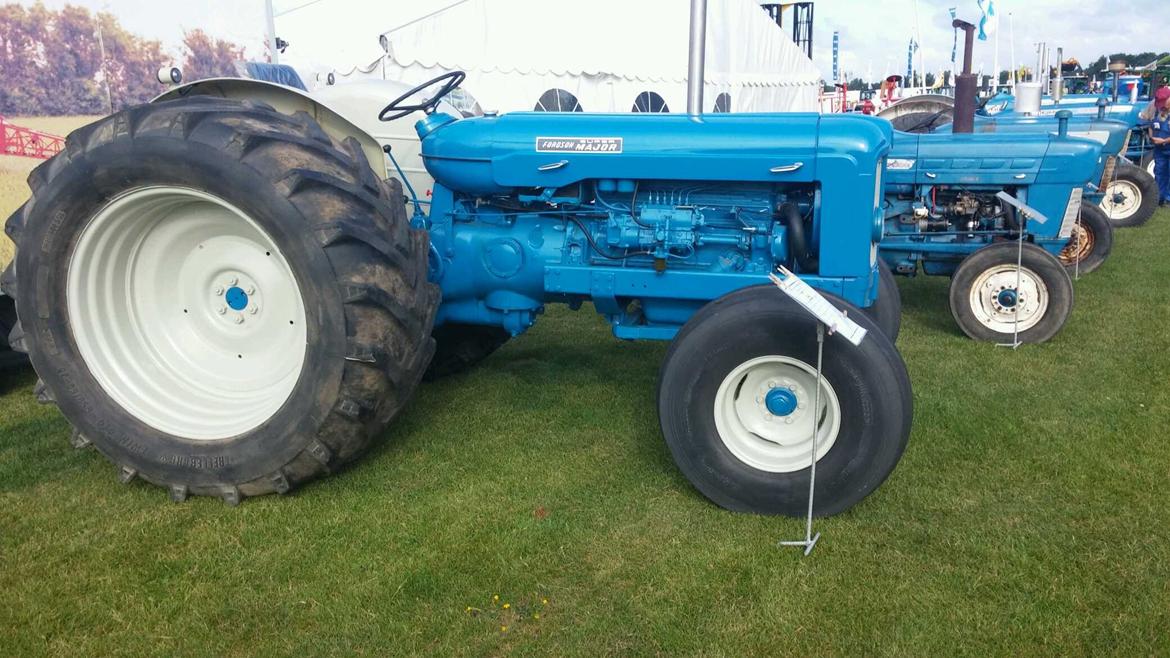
[523,150]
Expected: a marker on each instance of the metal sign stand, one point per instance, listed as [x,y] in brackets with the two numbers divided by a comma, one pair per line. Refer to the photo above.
[1015,344]
[833,320]
[810,540]
[1026,213]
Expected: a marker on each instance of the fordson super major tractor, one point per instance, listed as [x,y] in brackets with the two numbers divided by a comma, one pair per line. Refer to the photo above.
[223,293]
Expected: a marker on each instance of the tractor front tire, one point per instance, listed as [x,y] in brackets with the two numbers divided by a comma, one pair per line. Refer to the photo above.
[886,312]
[739,415]
[991,298]
[219,297]
[1091,242]
[1131,197]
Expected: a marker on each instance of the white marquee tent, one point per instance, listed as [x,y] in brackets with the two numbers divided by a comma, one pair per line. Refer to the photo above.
[600,56]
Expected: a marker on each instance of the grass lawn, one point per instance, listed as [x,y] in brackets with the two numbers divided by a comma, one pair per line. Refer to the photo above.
[1028,516]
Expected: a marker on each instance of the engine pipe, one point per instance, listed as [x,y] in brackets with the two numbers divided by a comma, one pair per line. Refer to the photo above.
[695,63]
[965,83]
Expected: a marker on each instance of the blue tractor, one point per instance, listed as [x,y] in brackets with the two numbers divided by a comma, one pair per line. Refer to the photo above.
[1130,195]
[994,212]
[224,293]
[956,204]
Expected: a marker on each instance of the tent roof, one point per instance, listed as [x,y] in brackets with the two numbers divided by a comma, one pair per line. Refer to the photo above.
[643,40]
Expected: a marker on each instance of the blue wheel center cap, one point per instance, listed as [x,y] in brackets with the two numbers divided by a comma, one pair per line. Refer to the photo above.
[237,299]
[780,402]
[1008,298]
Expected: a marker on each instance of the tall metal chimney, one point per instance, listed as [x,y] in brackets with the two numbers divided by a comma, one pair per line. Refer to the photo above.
[695,64]
[965,83]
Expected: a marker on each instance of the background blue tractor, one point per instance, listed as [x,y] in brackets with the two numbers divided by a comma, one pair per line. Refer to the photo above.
[949,211]
[1131,195]
[960,202]
[226,296]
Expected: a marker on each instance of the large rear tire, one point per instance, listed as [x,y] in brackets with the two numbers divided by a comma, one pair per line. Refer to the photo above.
[1131,197]
[8,356]
[1090,244]
[988,293]
[219,297]
[460,347]
[738,414]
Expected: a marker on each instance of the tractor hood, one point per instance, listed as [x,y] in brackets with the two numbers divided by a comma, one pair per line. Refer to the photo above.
[496,154]
[1007,160]
[1110,133]
[1080,105]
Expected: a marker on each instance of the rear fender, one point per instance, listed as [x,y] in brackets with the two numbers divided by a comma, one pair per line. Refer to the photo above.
[286,100]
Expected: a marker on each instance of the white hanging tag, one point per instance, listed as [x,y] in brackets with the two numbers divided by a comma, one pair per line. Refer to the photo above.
[815,303]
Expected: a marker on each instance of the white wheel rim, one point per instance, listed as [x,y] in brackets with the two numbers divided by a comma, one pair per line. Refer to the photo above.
[186,313]
[1150,166]
[1122,199]
[996,300]
[775,443]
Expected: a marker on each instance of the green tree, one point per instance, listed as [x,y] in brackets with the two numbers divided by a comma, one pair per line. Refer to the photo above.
[208,57]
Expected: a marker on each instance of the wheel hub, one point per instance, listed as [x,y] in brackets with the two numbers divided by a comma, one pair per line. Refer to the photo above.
[781,402]
[765,415]
[1005,300]
[186,313]
[1122,199]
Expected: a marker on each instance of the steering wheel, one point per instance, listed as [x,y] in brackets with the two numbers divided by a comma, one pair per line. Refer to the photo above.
[450,80]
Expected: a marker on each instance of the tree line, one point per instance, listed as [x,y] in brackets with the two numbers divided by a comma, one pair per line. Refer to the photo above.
[51,61]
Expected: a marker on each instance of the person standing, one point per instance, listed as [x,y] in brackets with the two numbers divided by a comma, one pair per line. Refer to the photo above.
[1160,135]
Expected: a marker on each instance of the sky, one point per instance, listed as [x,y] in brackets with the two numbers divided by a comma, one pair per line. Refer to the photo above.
[874,33]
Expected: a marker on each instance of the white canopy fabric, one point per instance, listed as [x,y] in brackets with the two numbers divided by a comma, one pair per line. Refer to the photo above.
[604,52]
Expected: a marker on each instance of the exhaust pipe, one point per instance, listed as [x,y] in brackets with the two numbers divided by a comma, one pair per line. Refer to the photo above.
[965,83]
[695,63]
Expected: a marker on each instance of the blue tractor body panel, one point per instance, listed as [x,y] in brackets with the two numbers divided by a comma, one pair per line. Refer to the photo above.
[1002,105]
[941,200]
[646,216]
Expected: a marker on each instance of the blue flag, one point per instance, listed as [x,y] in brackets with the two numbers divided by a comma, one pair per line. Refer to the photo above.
[989,20]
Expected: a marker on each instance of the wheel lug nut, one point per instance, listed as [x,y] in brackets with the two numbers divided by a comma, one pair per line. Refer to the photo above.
[233,281]
[771,384]
[789,420]
[218,291]
[239,319]
[254,310]
[221,310]
[759,399]
[251,290]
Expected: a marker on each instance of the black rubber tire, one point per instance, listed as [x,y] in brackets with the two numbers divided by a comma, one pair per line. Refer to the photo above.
[8,356]
[886,312]
[361,269]
[1034,259]
[1099,230]
[921,122]
[1149,190]
[1147,163]
[459,347]
[870,381]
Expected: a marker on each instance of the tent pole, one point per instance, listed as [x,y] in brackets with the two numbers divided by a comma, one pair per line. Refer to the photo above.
[698,49]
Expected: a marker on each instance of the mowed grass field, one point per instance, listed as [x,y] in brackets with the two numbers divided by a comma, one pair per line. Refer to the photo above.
[1029,515]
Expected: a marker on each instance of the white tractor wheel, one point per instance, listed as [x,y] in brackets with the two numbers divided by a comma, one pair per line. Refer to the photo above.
[219,297]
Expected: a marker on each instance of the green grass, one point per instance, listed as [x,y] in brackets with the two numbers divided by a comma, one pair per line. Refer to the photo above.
[1028,516]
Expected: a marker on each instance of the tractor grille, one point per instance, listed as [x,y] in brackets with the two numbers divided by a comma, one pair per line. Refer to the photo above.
[1107,176]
